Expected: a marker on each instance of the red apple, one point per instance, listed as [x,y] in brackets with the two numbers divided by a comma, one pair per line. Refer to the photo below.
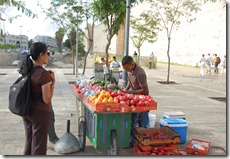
[127,102]
[122,103]
[141,103]
[113,94]
[132,102]
[146,103]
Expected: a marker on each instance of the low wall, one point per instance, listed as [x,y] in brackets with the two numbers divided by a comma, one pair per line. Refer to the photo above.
[7,58]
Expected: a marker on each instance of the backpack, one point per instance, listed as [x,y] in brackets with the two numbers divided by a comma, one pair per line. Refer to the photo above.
[218,60]
[21,101]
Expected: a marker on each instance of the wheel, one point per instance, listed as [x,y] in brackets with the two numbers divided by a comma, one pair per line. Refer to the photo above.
[113,144]
[82,135]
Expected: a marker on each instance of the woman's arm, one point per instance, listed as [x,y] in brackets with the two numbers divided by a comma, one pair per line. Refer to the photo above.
[48,89]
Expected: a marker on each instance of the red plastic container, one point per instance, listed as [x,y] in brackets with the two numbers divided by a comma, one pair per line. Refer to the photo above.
[198,147]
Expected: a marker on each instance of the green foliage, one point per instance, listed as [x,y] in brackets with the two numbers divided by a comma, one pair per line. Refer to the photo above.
[145,29]
[8,46]
[59,35]
[67,43]
[111,13]
[19,5]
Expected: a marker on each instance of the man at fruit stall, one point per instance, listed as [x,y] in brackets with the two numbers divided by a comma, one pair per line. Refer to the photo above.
[137,84]
[115,64]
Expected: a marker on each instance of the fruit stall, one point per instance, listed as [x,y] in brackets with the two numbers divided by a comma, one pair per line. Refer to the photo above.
[105,113]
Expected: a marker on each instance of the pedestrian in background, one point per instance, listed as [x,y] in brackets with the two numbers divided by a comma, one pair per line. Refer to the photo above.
[216,63]
[103,60]
[223,65]
[151,60]
[37,124]
[202,64]
[115,64]
[137,84]
[209,61]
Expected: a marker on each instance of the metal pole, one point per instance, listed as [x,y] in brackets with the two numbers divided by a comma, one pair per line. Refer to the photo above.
[126,51]
[21,39]
[76,62]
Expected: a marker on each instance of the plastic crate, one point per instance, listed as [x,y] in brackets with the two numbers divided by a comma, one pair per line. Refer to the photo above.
[170,136]
[137,151]
[198,147]
[164,150]
[156,147]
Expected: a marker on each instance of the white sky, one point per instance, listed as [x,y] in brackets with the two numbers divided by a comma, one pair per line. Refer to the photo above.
[31,27]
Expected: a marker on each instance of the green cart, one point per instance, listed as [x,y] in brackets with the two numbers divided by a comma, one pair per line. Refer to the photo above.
[105,130]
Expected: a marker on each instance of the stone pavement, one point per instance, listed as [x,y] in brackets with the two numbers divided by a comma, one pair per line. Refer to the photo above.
[207,118]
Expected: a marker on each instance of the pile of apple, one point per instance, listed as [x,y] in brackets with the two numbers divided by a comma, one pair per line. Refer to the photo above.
[89,91]
[130,99]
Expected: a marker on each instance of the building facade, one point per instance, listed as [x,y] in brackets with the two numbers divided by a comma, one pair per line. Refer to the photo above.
[49,41]
[20,40]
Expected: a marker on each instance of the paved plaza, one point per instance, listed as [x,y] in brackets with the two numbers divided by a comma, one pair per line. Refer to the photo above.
[192,94]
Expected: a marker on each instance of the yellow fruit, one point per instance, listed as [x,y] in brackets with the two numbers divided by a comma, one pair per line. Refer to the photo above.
[107,94]
[115,100]
[102,96]
[103,91]
[105,100]
[98,100]
[110,100]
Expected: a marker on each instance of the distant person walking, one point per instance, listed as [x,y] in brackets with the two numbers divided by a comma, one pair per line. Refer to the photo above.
[223,65]
[151,60]
[209,61]
[202,64]
[216,61]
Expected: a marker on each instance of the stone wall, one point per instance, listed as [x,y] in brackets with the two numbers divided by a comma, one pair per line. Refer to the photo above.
[7,58]
[207,34]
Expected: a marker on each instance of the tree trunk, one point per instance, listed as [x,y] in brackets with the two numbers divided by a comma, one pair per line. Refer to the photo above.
[168,60]
[107,52]
[86,55]
[139,55]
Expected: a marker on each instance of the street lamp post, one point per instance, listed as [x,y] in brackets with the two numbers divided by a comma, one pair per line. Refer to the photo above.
[20,38]
[126,51]
[77,9]
[76,62]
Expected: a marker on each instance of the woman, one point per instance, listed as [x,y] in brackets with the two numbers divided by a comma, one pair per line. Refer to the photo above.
[37,124]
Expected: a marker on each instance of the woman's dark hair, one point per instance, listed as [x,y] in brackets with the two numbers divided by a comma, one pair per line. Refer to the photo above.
[127,60]
[36,49]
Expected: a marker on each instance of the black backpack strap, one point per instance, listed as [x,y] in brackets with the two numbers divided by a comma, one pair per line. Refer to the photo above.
[34,69]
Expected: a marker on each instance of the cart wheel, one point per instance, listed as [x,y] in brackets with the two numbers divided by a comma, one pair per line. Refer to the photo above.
[113,144]
[82,135]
